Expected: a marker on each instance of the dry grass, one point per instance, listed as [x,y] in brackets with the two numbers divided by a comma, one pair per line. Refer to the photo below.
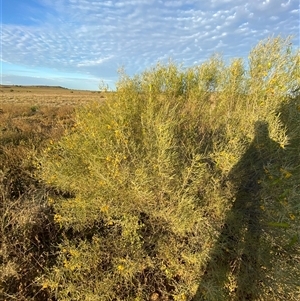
[30,119]
[30,112]
[44,95]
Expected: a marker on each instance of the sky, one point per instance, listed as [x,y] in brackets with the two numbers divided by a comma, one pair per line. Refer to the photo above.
[81,44]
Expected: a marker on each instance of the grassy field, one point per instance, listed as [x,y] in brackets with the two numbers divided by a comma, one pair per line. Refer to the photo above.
[45,95]
[39,110]
[37,113]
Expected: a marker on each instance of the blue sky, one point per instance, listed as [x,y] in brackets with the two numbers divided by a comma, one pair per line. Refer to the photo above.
[79,43]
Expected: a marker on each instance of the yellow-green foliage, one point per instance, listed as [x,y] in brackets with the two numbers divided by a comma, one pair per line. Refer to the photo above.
[158,173]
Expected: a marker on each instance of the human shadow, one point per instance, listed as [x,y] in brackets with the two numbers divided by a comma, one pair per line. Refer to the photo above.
[234,270]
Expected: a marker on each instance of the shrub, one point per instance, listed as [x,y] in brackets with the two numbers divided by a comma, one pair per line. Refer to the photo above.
[34,109]
[182,184]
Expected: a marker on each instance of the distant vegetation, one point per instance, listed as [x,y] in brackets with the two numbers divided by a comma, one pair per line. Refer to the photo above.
[181,185]
[33,86]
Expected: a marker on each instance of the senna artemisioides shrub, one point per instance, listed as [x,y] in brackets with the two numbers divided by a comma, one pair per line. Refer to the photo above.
[157,171]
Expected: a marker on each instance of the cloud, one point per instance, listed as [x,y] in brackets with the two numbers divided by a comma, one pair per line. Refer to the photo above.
[93,62]
[95,38]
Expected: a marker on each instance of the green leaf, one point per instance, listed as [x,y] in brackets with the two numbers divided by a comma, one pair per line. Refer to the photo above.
[279,225]
[294,240]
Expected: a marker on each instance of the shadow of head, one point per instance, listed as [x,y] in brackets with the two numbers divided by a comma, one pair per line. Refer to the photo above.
[261,128]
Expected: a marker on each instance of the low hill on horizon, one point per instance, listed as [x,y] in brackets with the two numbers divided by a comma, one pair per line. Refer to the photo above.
[34,86]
